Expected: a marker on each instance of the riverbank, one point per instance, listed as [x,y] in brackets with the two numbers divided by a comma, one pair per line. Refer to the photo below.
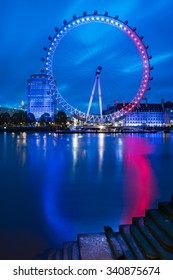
[81,131]
[146,238]
[28,129]
[103,131]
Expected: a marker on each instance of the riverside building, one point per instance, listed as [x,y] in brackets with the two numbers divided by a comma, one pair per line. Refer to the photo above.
[40,99]
[146,114]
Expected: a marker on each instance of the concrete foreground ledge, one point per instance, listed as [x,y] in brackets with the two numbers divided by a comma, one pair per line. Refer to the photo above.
[146,238]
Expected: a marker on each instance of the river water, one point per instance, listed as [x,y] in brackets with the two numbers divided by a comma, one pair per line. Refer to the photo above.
[54,186]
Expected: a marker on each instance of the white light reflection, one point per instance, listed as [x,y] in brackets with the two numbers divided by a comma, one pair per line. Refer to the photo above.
[44,144]
[78,152]
[75,149]
[101,145]
[55,138]
[37,140]
[21,144]
[119,149]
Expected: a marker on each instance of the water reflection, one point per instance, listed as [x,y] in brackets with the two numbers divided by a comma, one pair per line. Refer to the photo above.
[21,145]
[4,147]
[59,226]
[109,177]
[101,147]
[140,184]
[56,186]
[75,149]
[119,150]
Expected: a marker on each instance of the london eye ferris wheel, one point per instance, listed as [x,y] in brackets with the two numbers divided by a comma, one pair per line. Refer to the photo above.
[97,52]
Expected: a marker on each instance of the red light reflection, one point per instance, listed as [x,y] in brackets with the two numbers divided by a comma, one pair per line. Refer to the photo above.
[140,191]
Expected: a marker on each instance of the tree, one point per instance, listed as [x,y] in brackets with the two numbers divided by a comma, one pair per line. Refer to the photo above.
[45,118]
[4,118]
[15,118]
[61,118]
[18,118]
[31,118]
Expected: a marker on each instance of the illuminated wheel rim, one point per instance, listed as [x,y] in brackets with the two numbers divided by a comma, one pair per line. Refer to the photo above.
[130,32]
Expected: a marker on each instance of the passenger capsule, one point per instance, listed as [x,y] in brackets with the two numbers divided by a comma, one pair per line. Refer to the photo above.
[64,21]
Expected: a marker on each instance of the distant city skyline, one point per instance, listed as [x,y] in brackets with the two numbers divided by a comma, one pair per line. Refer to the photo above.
[26,26]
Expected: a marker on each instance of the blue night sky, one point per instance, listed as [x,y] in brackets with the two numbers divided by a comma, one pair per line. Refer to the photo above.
[25,26]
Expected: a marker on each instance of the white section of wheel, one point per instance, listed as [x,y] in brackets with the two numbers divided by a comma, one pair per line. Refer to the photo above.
[131,33]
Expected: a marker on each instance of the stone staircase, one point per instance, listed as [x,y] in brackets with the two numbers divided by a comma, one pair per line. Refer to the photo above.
[146,238]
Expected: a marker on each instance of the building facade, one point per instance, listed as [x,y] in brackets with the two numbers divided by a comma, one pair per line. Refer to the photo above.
[146,114]
[150,115]
[40,99]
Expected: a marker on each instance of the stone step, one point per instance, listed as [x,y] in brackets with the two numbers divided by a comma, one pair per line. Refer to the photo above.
[164,255]
[159,234]
[163,222]
[128,254]
[143,243]
[125,232]
[51,254]
[58,255]
[94,247]
[67,253]
[167,209]
[75,251]
[113,243]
